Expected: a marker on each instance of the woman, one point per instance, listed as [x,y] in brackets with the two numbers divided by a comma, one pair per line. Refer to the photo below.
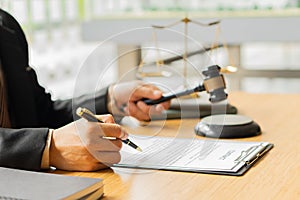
[37,132]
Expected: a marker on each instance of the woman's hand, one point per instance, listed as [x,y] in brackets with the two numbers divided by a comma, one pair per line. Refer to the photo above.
[126,97]
[80,146]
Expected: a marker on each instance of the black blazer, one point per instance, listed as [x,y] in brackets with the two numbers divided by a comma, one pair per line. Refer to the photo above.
[31,110]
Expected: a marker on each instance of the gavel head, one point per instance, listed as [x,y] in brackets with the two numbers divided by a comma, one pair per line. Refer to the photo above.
[214,83]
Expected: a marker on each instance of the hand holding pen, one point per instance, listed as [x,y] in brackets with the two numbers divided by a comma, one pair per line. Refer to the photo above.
[88,115]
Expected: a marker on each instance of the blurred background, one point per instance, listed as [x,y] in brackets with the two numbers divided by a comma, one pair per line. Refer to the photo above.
[63,33]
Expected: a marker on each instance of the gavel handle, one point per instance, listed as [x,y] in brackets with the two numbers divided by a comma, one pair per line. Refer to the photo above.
[151,102]
[172,96]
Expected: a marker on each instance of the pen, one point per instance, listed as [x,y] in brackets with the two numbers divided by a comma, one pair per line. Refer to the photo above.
[88,115]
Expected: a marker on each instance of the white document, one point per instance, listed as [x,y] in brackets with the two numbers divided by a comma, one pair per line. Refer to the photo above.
[190,154]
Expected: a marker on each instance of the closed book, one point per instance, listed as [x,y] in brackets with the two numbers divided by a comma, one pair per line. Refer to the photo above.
[22,184]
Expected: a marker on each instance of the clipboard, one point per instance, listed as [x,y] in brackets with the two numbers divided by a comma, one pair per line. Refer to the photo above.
[220,157]
[248,164]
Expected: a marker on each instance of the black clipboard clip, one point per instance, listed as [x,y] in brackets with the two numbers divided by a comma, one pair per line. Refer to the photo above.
[259,155]
[246,153]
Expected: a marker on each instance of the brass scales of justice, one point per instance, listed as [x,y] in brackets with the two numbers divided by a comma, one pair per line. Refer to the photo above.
[161,62]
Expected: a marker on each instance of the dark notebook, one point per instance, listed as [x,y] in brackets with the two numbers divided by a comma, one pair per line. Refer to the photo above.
[196,108]
[21,184]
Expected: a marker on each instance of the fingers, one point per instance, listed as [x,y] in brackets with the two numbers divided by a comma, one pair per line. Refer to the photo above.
[108,118]
[129,94]
[138,110]
[102,136]
[112,130]
[143,112]
[146,91]
[80,145]
[95,129]
[165,105]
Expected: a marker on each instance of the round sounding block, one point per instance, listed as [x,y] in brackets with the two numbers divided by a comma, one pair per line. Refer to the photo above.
[227,126]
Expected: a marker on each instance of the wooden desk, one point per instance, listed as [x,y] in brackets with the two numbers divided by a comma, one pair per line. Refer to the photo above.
[276,176]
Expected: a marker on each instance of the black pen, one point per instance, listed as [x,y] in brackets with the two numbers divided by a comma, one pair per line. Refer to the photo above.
[88,115]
